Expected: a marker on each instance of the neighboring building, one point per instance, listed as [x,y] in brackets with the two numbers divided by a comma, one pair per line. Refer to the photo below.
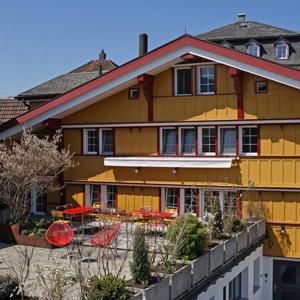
[258,39]
[185,126]
[66,82]
[11,108]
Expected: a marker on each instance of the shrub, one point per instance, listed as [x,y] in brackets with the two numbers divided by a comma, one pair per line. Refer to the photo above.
[108,287]
[140,266]
[217,222]
[25,232]
[41,232]
[234,225]
[188,235]
[8,286]
[42,223]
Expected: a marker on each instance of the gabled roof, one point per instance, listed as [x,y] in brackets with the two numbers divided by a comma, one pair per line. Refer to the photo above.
[11,108]
[245,30]
[66,82]
[151,63]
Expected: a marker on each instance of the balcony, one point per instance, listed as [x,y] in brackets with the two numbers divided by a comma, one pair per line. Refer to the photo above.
[170,162]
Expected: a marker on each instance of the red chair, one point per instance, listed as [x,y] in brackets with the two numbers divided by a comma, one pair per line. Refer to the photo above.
[59,234]
[105,237]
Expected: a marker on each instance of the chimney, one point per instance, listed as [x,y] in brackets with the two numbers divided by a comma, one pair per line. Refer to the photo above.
[143,44]
[102,55]
[242,17]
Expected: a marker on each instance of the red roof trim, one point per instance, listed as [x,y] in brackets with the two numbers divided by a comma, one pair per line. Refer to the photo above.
[156,53]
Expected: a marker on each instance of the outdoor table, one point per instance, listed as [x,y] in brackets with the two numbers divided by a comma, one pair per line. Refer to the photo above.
[79,211]
[147,214]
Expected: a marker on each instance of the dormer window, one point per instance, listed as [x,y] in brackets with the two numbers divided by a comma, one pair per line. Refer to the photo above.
[253,48]
[282,50]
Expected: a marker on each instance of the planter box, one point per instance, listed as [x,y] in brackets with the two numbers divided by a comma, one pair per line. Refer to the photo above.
[200,268]
[36,241]
[242,241]
[157,291]
[252,233]
[216,257]
[261,228]
[181,281]
[230,249]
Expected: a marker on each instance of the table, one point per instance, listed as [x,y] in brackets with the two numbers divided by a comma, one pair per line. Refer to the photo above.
[149,214]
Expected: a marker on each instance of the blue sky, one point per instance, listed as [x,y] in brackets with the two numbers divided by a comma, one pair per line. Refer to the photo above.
[41,39]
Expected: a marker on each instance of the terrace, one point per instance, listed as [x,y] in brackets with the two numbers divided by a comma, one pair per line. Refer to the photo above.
[186,278]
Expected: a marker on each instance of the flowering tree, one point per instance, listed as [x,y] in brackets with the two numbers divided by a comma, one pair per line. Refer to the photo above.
[30,163]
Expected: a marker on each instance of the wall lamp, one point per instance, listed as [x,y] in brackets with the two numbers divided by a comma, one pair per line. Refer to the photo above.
[174,170]
[282,231]
[137,170]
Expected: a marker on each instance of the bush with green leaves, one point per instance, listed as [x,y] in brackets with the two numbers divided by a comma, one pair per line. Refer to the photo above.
[8,286]
[217,222]
[108,287]
[234,225]
[187,236]
[140,266]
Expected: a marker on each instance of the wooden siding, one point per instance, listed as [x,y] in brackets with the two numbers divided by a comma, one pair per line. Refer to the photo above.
[117,108]
[280,101]
[136,141]
[75,194]
[73,139]
[133,198]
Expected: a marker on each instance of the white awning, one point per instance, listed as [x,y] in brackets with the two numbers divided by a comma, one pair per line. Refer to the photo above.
[169,162]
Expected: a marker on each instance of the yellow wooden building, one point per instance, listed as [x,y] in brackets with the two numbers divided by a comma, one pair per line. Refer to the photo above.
[182,127]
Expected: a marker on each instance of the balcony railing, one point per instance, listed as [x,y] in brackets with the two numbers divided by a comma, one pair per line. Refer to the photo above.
[199,274]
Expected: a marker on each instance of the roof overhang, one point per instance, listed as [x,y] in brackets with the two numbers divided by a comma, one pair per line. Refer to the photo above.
[150,63]
[170,162]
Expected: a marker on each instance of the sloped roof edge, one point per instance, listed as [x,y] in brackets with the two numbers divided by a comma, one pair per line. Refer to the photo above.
[150,60]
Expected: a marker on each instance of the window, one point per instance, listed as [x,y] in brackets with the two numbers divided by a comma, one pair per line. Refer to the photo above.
[230,203]
[282,50]
[256,275]
[134,93]
[172,197]
[169,141]
[248,140]
[227,140]
[207,140]
[206,80]
[111,196]
[95,194]
[224,293]
[90,141]
[235,288]
[187,141]
[211,198]
[183,81]
[253,49]
[191,197]
[41,203]
[261,87]
[107,141]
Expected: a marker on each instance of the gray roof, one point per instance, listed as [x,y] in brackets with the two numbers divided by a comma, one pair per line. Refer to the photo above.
[245,30]
[60,84]
[11,108]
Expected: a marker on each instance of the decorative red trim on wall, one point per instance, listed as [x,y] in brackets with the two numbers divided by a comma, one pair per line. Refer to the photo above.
[196,141]
[158,141]
[146,81]
[217,140]
[216,79]
[177,140]
[114,141]
[173,83]
[237,77]
[82,142]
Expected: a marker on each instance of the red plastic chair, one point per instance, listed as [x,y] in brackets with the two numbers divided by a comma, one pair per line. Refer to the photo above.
[105,237]
[59,234]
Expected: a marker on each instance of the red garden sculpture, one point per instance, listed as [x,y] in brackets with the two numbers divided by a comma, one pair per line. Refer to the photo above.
[104,237]
[60,234]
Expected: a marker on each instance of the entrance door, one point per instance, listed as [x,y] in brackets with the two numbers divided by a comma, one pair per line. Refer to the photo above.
[286,280]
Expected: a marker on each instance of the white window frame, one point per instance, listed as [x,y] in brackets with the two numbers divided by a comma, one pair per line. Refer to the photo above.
[85,141]
[219,141]
[180,140]
[200,145]
[241,141]
[175,80]
[253,45]
[161,140]
[199,80]
[287,50]
[100,141]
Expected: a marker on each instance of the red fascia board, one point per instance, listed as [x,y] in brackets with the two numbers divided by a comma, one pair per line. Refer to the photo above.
[156,53]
